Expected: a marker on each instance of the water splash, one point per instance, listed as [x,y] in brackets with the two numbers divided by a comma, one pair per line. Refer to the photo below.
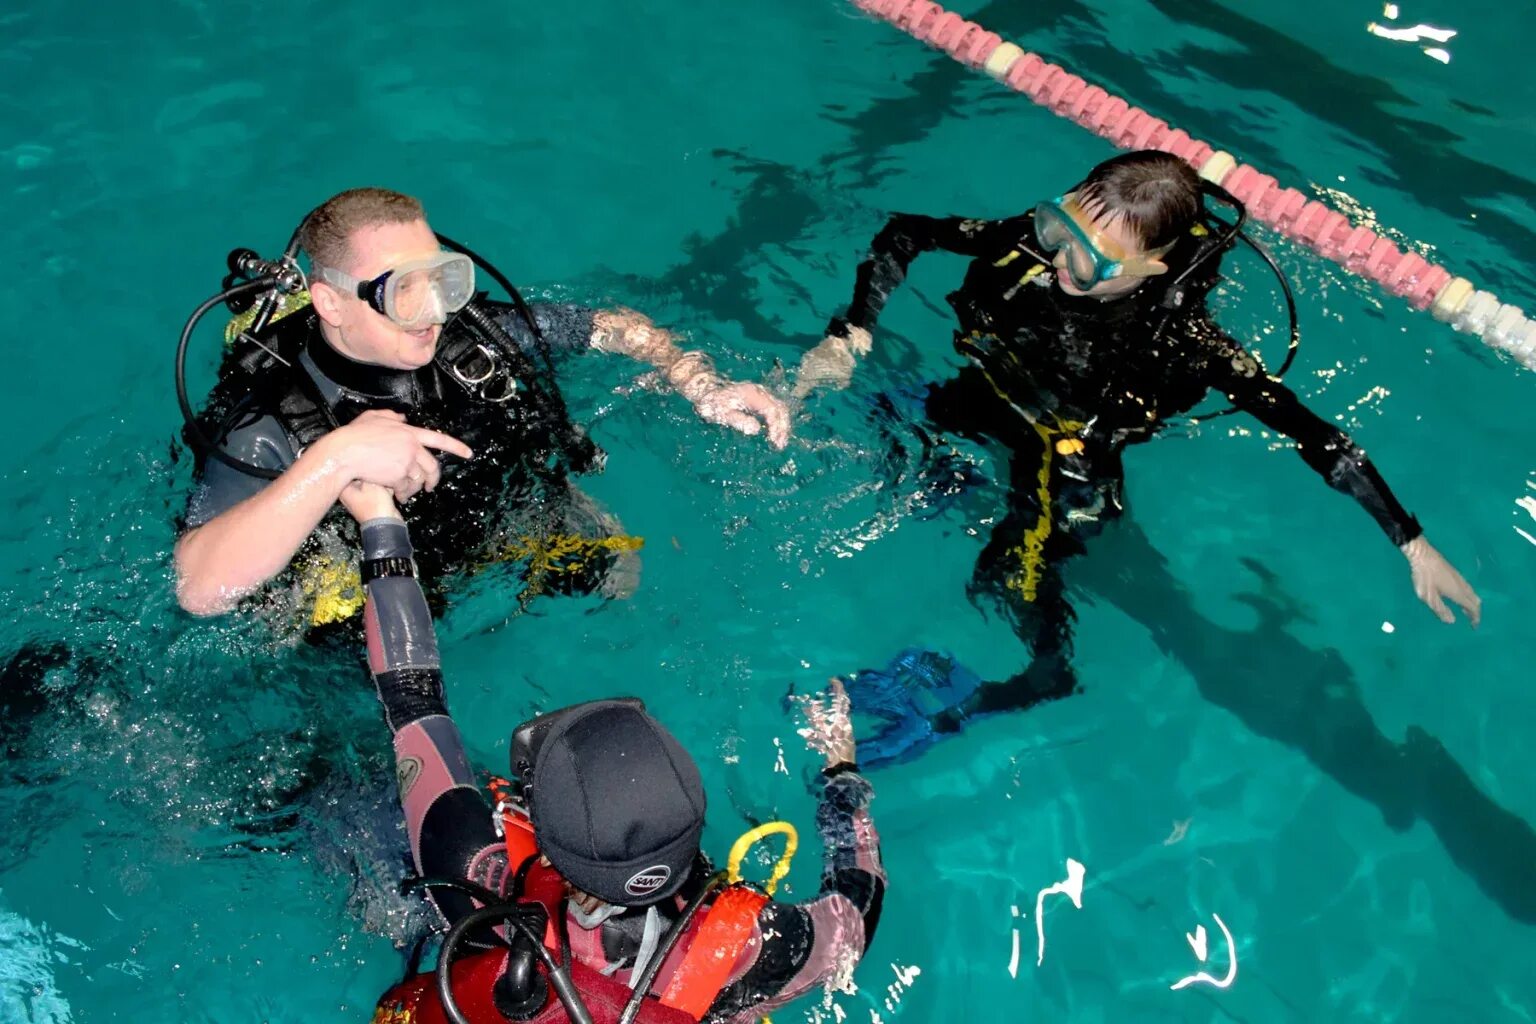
[28,955]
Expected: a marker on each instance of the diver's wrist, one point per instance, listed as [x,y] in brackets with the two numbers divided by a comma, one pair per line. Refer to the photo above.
[693,375]
[859,341]
[386,538]
[856,340]
[326,463]
[838,343]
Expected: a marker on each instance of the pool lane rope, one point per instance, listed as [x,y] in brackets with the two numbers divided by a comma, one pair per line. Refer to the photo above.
[1450,299]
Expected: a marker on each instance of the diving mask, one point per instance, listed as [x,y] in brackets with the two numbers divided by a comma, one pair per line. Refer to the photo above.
[414,294]
[1086,263]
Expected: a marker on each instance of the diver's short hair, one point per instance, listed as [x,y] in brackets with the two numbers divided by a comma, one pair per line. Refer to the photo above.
[1156,194]
[327,232]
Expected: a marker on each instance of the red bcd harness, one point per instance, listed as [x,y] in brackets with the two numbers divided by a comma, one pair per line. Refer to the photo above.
[712,946]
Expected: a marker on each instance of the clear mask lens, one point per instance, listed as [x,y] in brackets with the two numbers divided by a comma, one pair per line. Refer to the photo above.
[429,291]
[1058,232]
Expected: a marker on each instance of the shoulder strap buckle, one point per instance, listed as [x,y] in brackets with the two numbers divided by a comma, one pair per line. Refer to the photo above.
[466,372]
[466,368]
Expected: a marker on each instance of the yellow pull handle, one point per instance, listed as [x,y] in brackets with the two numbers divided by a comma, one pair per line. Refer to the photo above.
[750,838]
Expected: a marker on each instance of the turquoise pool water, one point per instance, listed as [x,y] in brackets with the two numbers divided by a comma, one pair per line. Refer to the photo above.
[197,823]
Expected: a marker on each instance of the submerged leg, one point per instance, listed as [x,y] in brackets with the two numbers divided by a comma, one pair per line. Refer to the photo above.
[1020,569]
[924,695]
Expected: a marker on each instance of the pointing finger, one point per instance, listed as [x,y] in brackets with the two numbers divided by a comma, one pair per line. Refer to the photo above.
[442,442]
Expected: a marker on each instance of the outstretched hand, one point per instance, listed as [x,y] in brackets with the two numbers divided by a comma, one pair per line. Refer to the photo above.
[829,728]
[831,363]
[1435,579]
[746,407]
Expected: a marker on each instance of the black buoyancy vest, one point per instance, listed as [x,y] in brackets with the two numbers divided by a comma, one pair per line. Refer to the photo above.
[481,388]
[1078,357]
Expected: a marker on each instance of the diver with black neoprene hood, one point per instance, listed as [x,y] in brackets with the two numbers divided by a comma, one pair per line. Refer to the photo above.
[579,891]
[385,364]
[1084,327]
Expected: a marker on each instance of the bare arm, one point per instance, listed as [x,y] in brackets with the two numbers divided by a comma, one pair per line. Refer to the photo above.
[741,406]
[626,332]
[231,555]
[228,557]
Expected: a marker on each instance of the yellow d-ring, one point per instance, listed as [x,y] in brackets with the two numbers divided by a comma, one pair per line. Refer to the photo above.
[748,839]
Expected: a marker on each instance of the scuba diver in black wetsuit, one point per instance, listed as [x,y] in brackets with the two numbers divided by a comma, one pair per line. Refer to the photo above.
[393,358]
[595,847]
[1072,357]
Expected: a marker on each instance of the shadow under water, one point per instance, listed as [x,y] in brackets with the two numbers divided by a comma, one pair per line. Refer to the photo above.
[1309,699]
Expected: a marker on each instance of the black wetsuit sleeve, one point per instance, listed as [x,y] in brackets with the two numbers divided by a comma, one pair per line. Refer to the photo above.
[566,327]
[402,642]
[221,487]
[804,944]
[1235,372]
[906,235]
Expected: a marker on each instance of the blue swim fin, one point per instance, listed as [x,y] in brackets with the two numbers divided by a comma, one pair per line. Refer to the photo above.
[921,697]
